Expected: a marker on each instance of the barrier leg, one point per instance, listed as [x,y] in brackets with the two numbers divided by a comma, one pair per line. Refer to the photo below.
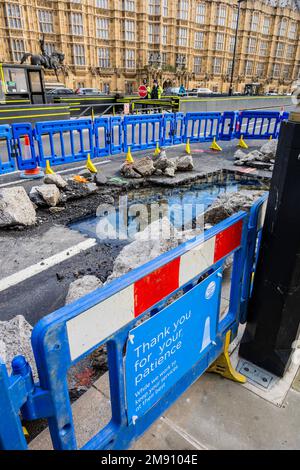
[188,147]
[90,165]
[48,170]
[129,158]
[223,366]
[242,143]
[215,146]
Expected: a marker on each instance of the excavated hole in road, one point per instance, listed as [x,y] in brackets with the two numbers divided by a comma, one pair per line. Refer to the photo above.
[201,195]
[134,211]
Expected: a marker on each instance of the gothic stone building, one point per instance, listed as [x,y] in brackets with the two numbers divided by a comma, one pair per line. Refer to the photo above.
[116,44]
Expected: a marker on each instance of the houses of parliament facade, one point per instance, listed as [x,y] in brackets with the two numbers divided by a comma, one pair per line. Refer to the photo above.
[116,44]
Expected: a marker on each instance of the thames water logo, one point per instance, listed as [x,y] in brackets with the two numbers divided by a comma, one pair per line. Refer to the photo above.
[211,289]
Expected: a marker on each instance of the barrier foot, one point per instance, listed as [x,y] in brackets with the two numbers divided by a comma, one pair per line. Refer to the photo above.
[242,143]
[48,170]
[129,158]
[188,147]
[90,165]
[26,433]
[157,150]
[223,366]
[215,146]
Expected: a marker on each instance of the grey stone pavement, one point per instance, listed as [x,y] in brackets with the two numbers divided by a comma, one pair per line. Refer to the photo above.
[214,413]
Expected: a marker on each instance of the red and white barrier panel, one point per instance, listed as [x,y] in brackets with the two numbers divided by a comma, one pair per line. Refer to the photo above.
[101,321]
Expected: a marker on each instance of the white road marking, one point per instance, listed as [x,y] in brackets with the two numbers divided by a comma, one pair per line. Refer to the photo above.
[11,183]
[43,265]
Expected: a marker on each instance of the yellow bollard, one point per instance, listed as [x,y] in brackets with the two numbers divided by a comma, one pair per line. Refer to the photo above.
[242,143]
[188,147]
[129,158]
[215,146]
[90,165]
[49,170]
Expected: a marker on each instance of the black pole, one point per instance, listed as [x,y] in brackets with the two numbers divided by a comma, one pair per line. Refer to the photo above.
[274,309]
[234,48]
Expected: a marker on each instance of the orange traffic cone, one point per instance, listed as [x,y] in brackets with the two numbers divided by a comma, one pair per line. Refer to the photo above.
[33,173]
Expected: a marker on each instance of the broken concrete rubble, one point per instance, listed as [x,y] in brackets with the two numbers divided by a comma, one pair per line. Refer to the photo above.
[157,165]
[100,179]
[82,287]
[228,204]
[16,208]
[15,340]
[77,190]
[56,179]
[185,163]
[157,238]
[128,171]
[49,193]
[262,159]
[144,166]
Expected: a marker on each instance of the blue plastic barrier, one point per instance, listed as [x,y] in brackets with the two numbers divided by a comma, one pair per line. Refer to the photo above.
[168,129]
[102,134]
[116,134]
[7,163]
[63,142]
[118,315]
[70,145]
[202,127]
[26,155]
[142,132]
[255,226]
[258,124]
[227,125]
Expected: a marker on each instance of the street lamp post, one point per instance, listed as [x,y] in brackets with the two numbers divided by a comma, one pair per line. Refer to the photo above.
[234,48]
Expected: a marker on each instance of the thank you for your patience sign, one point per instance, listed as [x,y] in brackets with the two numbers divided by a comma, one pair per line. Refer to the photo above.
[164,348]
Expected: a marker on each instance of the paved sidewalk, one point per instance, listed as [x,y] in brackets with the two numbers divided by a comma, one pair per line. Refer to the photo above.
[214,413]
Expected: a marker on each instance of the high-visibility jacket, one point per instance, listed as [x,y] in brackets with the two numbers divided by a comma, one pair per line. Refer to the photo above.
[160,92]
[149,92]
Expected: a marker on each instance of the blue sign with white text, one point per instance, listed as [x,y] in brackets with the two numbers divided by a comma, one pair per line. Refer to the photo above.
[163,349]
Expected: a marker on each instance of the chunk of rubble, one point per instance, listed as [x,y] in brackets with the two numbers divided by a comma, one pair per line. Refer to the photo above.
[184,163]
[50,194]
[161,163]
[77,190]
[15,340]
[56,179]
[128,171]
[81,287]
[228,204]
[270,148]
[157,238]
[100,179]
[144,166]
[240,155]
[16,208]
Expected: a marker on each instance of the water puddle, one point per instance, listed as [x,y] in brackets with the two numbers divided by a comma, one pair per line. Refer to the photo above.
[136,210]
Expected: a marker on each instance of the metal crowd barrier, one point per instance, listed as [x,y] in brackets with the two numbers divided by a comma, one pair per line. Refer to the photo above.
[63,142]
[158,342]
